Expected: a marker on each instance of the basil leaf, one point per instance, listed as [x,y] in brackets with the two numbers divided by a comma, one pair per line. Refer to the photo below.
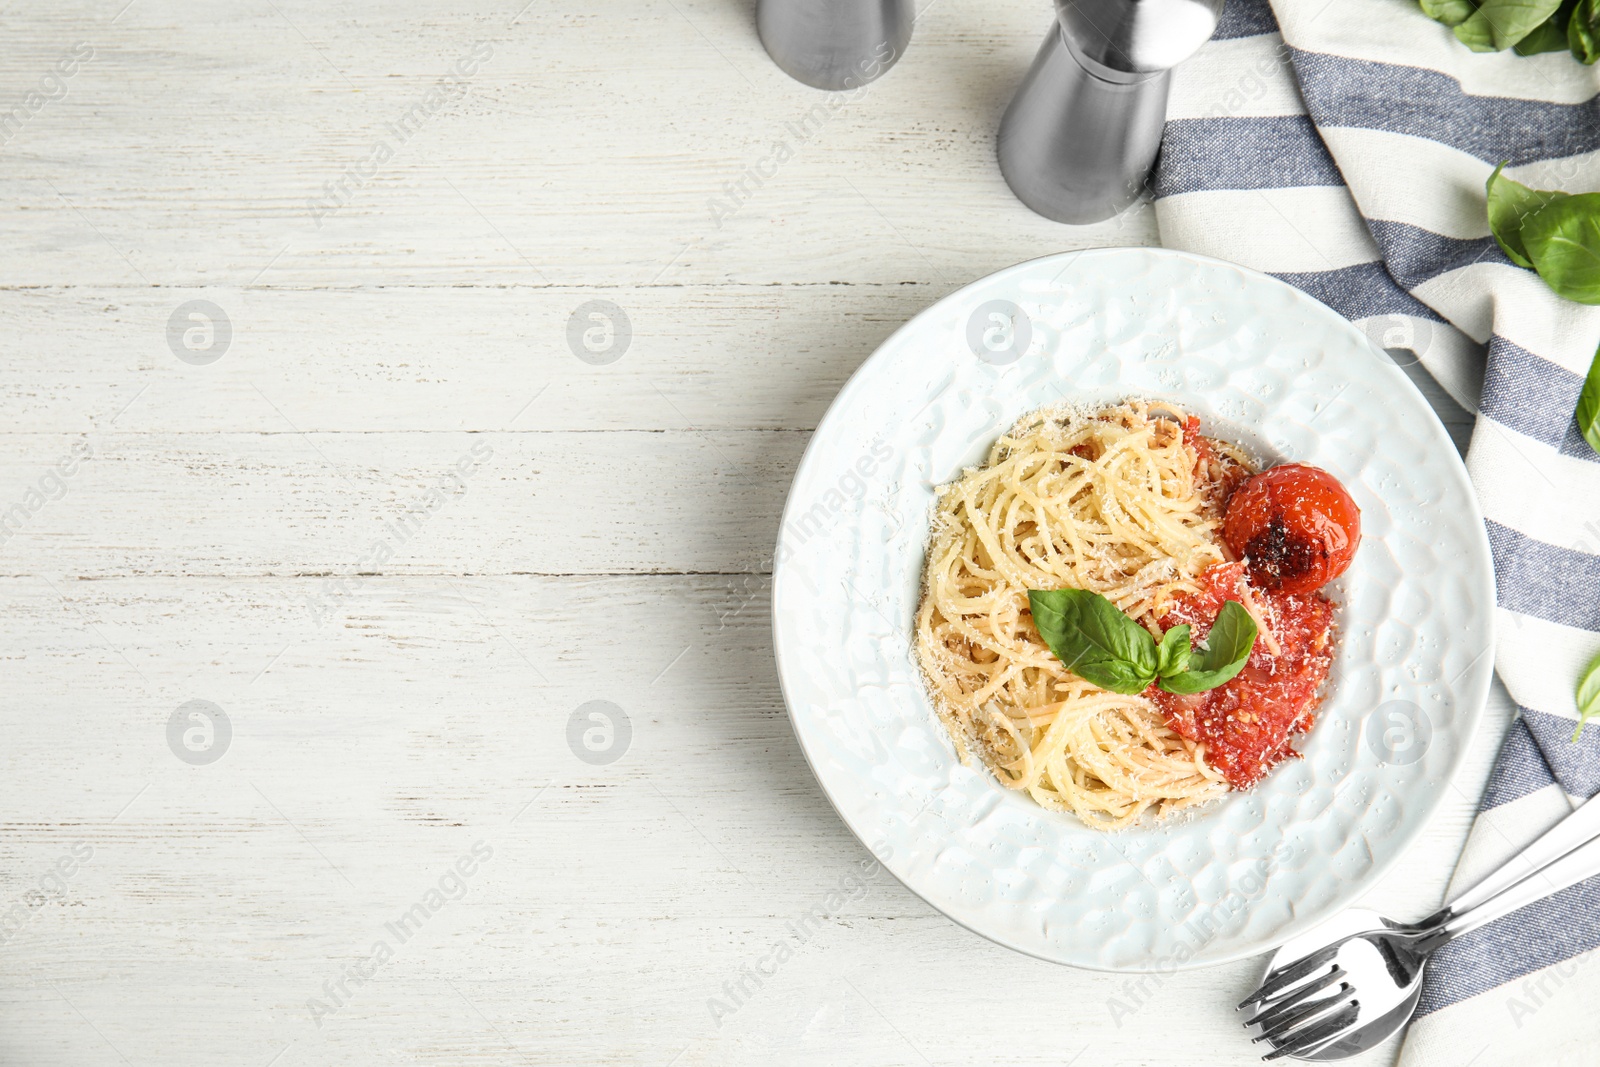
[1588,413]
[1494,25]
[1550,35]
[1228,646]
[1563,240]
[1583,31]
[1449,12]
[1094,640]
[1172,655]
[1475,34]
[1499,24]
[1511,204]
[1588,695]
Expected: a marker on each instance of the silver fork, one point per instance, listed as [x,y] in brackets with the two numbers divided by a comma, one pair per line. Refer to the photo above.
[1354,981]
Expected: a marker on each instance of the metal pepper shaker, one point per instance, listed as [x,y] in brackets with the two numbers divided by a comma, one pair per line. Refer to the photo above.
[1081,135]
[835,44]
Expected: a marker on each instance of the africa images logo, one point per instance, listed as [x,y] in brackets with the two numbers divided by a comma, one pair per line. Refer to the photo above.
[999,332]
[199,332]
[1399,732]
[199,733]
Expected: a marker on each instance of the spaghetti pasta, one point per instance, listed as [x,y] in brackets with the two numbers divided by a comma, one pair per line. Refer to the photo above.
[1123,502]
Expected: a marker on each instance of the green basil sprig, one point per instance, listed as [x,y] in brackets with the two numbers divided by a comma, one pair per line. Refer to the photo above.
[1558,235]
[1500,24]
[1555,233]
[1588,413]
[1449,12]
[1583,31]
[1551,35]
[1563,240]
[1100,644]
[1588,695]
[1510,205]
[1529,27]
[1227,647]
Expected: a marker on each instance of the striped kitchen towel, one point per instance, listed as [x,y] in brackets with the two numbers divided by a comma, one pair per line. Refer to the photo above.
[1347,155]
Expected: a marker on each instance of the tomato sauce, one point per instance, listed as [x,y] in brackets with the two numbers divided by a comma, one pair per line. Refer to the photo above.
[1210,465]
[1246,723]
[1197,441]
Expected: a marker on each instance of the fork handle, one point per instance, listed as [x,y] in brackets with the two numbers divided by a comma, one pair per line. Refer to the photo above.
[1576,866]
[1572,832]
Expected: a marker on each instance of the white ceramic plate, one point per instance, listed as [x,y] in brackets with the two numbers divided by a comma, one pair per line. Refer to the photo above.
[1262,364]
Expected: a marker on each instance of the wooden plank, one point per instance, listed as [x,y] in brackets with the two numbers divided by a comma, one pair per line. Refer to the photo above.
[433,358]
[337,505]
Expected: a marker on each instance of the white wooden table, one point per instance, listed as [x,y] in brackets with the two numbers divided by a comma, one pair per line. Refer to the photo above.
[399,690]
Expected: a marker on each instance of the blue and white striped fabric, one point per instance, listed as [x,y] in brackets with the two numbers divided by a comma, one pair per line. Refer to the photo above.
[1347,155]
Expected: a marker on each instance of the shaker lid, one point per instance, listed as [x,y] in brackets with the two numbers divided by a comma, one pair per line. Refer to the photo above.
[1138,36]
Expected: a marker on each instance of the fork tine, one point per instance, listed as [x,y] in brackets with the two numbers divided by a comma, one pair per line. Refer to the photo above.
[1270,1013]
[1320,1035]
[1286,976]
[1301,1014]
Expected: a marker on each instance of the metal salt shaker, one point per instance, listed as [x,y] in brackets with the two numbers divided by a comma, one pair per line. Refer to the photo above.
[834,44]
[1080,136]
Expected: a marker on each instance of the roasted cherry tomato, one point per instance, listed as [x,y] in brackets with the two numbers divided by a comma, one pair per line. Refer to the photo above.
[1296,526]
